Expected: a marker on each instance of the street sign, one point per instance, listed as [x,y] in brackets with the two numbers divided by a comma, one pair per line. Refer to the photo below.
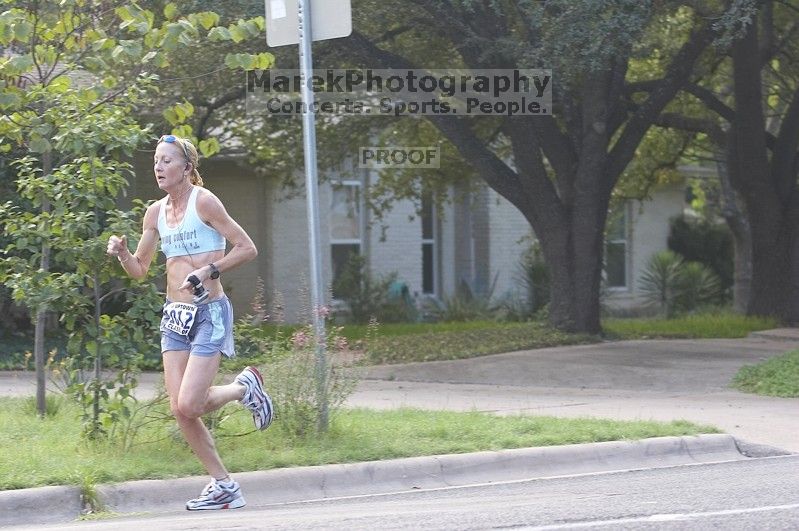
[330,19]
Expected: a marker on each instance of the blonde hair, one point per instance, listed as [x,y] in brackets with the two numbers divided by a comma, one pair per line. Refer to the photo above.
[190,154]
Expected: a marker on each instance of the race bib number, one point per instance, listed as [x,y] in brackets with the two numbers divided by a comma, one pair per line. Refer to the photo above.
[179,317]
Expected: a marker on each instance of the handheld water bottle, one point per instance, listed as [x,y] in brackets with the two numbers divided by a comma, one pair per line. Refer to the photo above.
[200,293]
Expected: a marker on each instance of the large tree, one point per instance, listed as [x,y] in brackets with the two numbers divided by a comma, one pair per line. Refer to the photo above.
[763,168]
[750,94]
[565,166]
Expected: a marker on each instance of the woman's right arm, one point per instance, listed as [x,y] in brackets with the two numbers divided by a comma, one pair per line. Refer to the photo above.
[137,264]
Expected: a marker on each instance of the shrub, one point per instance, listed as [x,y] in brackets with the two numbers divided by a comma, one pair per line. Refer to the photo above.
[302,393]
[534,276]
[707,243]
[673,285]
[467,304]
[697,285]
[368,297]
[659,281]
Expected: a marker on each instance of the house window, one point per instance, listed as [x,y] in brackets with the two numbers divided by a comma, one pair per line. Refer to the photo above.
[428,245]
[616,250]
[345,225]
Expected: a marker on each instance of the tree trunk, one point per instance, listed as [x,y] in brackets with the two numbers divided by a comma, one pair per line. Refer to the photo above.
[574,283]
[738,222]
[772,250]
[767,185]
[574,254]
[41,312]
[793,315]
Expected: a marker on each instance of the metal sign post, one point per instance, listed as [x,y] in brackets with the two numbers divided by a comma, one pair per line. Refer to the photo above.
[294,22]
[312,192]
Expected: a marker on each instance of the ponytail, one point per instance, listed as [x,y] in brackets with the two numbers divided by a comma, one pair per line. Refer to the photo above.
[195,177]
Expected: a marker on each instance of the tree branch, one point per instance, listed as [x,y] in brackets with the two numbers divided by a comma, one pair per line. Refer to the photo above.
[211,106]
[676,77]
[694,125]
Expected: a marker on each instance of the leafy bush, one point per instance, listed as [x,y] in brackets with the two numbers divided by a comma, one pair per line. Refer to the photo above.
[368,297]
[303,394]
[535,277]
[697,285]
[705,242]
[673,285]
[659,283]
[467,304]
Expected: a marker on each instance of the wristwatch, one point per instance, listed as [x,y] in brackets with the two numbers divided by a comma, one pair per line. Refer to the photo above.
[214,272]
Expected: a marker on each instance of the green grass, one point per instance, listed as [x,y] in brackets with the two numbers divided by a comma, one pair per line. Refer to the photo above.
[408,342]
[777,376]
[468,342]
[40,452]
[709,325]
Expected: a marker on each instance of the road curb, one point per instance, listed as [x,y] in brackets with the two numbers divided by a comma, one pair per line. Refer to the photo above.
[61,504]
[42,505]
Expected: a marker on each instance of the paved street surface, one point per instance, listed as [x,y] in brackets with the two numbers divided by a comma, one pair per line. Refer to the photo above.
[740,495]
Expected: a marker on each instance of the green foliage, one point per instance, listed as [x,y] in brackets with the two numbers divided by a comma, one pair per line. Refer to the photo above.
[672,285]
[467,343]
[368,297]
[50,452]
[78,75]
[293,381]
[777,376]
[719,324]
[534,276]
[705,242]
[305,391]
[659,281]
[53,406]
[467,304]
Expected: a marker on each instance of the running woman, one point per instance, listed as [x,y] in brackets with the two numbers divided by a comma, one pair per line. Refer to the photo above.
[193,227]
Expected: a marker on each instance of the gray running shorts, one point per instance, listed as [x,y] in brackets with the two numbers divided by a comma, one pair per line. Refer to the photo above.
[211,332]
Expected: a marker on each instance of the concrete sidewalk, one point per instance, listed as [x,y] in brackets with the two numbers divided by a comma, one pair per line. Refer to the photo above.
[660,380]
[630,380]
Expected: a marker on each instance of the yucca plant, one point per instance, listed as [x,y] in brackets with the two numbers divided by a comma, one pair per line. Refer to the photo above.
[660,281]
[673,285]
[697,285]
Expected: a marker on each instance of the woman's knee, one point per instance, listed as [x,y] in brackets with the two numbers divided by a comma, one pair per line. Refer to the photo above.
[188,408]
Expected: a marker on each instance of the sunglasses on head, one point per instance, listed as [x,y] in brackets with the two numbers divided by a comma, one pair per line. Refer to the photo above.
[172,139]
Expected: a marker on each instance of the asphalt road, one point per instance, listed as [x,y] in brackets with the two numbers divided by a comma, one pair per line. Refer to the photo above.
[751,494]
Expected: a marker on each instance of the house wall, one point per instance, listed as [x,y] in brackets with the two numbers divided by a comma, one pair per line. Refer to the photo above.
[510,235]
[400,250]
[647,234]
[480,236]
[290,273]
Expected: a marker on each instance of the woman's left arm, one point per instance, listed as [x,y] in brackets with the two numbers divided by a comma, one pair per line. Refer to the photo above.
[212,211]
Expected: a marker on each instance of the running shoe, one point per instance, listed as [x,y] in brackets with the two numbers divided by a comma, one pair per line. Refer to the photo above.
[217,496]
[255,398]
